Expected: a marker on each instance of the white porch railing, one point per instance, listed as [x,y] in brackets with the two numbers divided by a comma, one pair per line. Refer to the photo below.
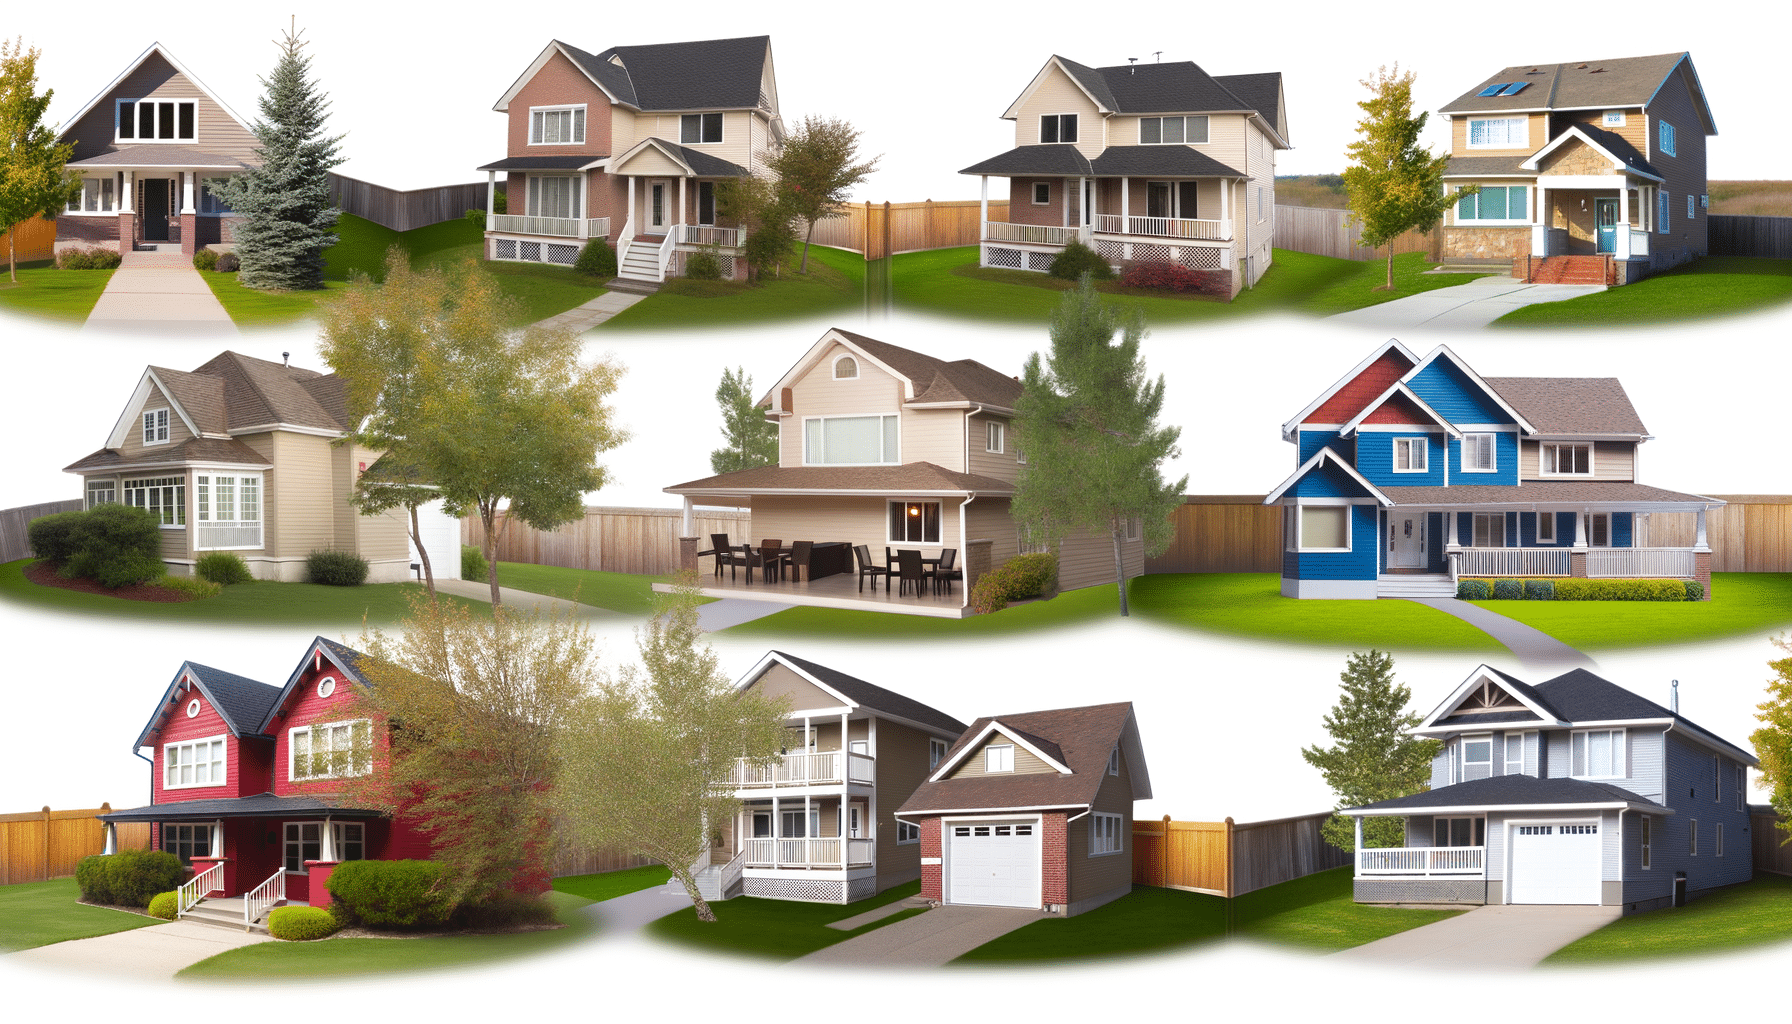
[1643,562]
[1513,562]
[597,227]
[859,852]
[224,536]
[668,246]
[731,873]
[861,768]
[807,769]
[805,853]
[1039,234]
[1423,862]
[1163,227]
[559,227]
[263,897]
[709,234]
[198,888]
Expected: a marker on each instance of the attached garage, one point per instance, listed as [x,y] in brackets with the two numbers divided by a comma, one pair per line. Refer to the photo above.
[1555,862]
[993,863]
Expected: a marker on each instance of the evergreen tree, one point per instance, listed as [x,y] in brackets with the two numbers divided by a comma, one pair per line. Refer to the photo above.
[1773,741]
[1373,757]
[33,181]
[1394,184]
[285,201]
[752,439]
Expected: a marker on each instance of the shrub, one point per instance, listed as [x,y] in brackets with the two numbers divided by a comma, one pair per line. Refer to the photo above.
[475,218]
[1020,577]
[115,545]
[228,263]
[105,259]
[499,203]
[472,563]
[165,905]
[1078,259]
[336,568]
[1539,590]
[1473,590]
[1163,275]
[205,259]
[1508,590]
[1695,591]
[52,537]
[391,893]
[192,586]
[74,259]
[225,568]
[1621,590]
[596,259]
[131,878]
[94,881]
[505,910]
[703,265]
[301,924]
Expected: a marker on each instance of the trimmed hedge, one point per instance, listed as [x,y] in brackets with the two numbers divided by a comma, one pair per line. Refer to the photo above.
[336,568]
[1508,590]
[1078,259]
[390,893]
[1514,589]
[596,259]
[225,568]
[92,258]
[165,905]
[128,878]
[1019,577]
[301,924]
[472,563]
[1539,590]
[1473,590]
[1695,591]
[52,537]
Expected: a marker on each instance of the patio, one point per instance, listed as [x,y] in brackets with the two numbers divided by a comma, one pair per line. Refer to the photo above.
[840,590]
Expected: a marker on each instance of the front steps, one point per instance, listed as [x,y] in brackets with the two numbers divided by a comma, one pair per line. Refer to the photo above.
[640,262]
[1570,270]
[225,913]
[709,883]
[1410,586]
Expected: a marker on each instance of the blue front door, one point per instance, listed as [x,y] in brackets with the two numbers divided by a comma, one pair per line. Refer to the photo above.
[1605,218]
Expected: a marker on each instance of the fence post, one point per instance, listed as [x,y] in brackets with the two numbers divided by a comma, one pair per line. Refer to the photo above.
[868,229]
[46,846]
[1163,864]
[886,251]
[1231,877]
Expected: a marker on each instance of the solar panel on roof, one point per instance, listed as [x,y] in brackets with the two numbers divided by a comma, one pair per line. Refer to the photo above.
[1493,90]
[1515,88]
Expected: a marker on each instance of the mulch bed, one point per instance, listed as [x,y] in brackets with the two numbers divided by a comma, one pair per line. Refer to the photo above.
[44,575]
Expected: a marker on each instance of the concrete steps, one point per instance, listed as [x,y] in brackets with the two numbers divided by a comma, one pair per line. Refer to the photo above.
[224,913]
[1414,586]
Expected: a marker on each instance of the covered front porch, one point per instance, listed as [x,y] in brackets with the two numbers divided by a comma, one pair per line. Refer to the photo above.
[1179,220]
[807,833]
[149,198]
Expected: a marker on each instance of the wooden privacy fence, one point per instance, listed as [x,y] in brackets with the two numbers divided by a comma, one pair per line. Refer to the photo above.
[876,230]
[402,211]
[1753,533]
[1767,237]
[15,542]
[1768,841]
[1223,858]
[641,541]
[36,846]
[34,239]
[1327,232]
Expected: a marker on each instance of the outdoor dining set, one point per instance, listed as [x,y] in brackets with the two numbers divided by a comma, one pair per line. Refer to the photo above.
[810,560]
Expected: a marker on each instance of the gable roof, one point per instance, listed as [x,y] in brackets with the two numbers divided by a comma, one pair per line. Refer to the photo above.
[346,659]
[1582,85]
[1572,405]
[1392,345]
[1443,353]
[240,701]
[1079,739]
[695,75]
[927,380]
[1401,389]
[1319,459]
[865,695]
[1613,146]
[162,51]
[1171,88]
[695,161]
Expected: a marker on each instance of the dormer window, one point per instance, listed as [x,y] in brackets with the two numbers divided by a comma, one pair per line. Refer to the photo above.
[157,120]
[1498,132]
[1055,128]
[998,757]
[696,129]
[846,368]
[557,126]
[1173,131]
[155,426]
[936,752]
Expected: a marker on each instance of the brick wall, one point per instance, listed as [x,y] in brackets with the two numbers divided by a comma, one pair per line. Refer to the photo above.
[1055,871]
[931,885]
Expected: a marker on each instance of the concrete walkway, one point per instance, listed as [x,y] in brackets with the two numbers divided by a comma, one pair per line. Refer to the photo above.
[626,914]
[156,293]
[731,611]
[1461,307]
[1533,647]
[582,318]
[156,952]
[479,590]
[929,939]
[1492,938]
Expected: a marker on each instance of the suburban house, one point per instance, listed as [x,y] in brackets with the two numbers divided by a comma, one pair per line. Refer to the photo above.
[1573,790]
[145,147]
[1140,162]
[629,145]
[1590,171]
[882,447]
[1415,472]
[245,782]
[1033,810]
[246,455]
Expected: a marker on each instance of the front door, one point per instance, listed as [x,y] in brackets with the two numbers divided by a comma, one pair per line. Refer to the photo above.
[855,820]
[1157,199]
[706,202]
[657,207]
[1406,540]
[1605,221]
[157,200]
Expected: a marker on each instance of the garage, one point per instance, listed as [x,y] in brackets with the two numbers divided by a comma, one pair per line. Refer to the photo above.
[1556,862]
[992,863]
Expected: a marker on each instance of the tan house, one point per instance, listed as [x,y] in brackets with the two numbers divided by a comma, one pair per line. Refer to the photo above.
[629,145]
[1141,162]
[243,455]
[1589,171]
[146,147]
[884,448]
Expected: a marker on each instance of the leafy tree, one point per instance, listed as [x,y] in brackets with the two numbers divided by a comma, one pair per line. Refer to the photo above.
[1372,757]
[33,180]
[1087,419]
[1773,741]
[757,203]
[1394,184]
[646,759]
[285,200]
[752,439]
[817,169]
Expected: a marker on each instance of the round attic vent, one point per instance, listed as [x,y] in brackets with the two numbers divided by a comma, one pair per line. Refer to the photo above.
[326,686]
[193,708]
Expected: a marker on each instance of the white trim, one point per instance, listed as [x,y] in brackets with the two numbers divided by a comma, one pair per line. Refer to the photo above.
[835,375]
[262,428]
[1591,448]
[1399,387]
[1493,452]
[160,428]
[134,408]
[1300,528]
[133,66]
[1485,674]
[1326,454]
[812,357]
[1423,448]
[534,68]
[1639,804]
[889,458]
[1036,820]
[1038,78]
[223,761]
[1037,185]
[1291,427]
[1444,350]
[995,437]
[947,765]
[156,118]
[1611,119]
[1122,827]
[1468,132]
[994,765]
[1619,752]
[584,126]
[308,729]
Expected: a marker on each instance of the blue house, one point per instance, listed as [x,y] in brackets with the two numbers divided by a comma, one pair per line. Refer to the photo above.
[1416,472]
[1574,790]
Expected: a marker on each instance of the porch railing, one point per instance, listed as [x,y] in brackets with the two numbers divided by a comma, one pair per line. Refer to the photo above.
[559,227]
[1634,562]
[1513,562]
[731,873]
[198,888]
[807,769]
[1039,234]
[807,853]
[597,227]
[709,234]
[1423,862]
[264,896]
[1163,227]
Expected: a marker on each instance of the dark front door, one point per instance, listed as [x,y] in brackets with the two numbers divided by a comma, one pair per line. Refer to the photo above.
[156,198]
[706,202]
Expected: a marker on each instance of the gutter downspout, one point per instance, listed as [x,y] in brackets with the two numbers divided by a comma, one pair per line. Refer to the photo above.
[964,600]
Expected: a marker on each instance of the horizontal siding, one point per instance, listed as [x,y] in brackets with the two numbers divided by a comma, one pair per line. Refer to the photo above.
[988,519]
[1505,462]
[1311,441]
[778,681]
[1000,465]
[1025,761]
[1086,560]
[1327,481]
[215,130]
[1356,564]
[817,393]
[1446,389]
[936,436]
[1612,460]
[1057,94]
[852,520]
[1375,459]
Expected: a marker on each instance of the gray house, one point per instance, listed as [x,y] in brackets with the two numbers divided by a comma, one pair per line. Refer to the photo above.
[1574,790]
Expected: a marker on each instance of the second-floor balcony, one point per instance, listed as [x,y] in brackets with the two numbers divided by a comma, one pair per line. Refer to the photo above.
[1422,862]
[821,768]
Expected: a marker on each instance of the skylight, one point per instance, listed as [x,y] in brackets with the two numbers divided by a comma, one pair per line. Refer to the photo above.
[1515,88]
[1494,90]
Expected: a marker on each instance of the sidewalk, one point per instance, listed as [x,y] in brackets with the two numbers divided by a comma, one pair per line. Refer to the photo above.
[582,318]
[479,590]
[159,293]
[1533,647]
[156,952]
[1461,307]
[1490,938]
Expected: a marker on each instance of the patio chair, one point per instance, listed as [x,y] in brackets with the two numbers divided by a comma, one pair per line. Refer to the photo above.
[751,558]
[862,553]
[799,560]
[723,552]
[909,570]
[776,558]
[946,573]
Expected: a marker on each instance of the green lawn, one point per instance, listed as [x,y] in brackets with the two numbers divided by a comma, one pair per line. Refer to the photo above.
[1073,607]
[1752,914]
[774,929]
[302,961]
[1148,920]
[834,284]
[258,603]
[1251,605]
[608,885]
[630,595]
[250,307]
[1710,287]
[1317,913]
[1357,289]
[42,290]
[39,913]
[1742,604]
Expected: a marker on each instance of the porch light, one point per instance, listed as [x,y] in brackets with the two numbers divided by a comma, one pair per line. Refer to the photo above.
[914,510]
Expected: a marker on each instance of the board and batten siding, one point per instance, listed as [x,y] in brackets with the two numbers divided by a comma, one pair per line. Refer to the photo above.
[215,131]
[1058,94]
[1025,761]
[1092,876]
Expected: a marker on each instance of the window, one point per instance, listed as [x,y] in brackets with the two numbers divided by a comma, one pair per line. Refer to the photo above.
[1129,529]
[187,841]
[1648,842]
[792,824]
[101,492]
[210,204]
[1042,193]
[1664,137]
[1598,754]
[553,197]
[846,368]
[914,522]
[849,441]
[1661,212]
[1689,208]
[1459,831]
[694,129]
[907,833]
[1505,204]
[1480,453]
[304,842]
[1057,128]
[1546,527]
[97,196]
[157,120]
[557,126]
[155,426]
[1114,761]
[330,750]
[1692,837]
[229,509]
[1565,459]
[995,436]
[1599,532]
[1490,530]
[1172,131]
[1514,753]
[1410,454]
[936,752]
[193,763]
[1106,834]
[1717,840]
[1477,757]
[1498,132]
[998,757]
[166,496]
[1324,527]
[1612,119]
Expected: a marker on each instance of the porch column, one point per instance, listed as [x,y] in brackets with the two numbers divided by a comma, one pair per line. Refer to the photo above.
[686,524]
[983,209]
[680,220]
[128,199]
[584,204]
[777,833]
[111,832]
[491,195]
[1226,185]
[218,838]
[1064,199]
[1449,530]
[1125,204]
[186,193]
[1359,838]
[1540,228]
[326,842]
[808,817]
[1623,248]
[1700,542]
[1580,530]
[630,218]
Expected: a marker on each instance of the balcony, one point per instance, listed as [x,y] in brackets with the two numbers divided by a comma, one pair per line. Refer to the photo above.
[808,853]
[1423,862]
[823,768]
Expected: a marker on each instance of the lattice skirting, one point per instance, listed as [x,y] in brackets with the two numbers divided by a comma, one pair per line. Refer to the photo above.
[801,889]
[522,250]
[996,256]
[1194,257]
[675,267]
[861,889]
[1421,890]
[1041,261]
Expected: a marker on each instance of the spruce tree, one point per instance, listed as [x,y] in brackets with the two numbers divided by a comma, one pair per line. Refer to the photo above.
[1373,757]
[285,202]
[751,439]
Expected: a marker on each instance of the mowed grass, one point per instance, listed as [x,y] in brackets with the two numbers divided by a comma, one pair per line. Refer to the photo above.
[1251,605]
[1742,604]
[618,592]
[608,885]
[775,929]
[1751,198]
[835,284]
[1070,608]
[42,290]
[1146,920]
[40,913]
[1754,913]
[1714,286]
[1317,913]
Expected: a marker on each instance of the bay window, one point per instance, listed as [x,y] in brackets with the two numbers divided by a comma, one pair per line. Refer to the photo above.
[227,508]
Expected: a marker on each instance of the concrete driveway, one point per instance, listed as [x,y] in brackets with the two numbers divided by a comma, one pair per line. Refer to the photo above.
[929,939]
[1463,306]
[156,952]
[1491,938]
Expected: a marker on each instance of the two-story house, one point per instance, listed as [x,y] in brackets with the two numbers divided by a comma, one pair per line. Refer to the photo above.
[1141,162]
[1573,790]
[1415,472]
[246,455]
[1590,171]
[629,145]
[883,447]
[145,147]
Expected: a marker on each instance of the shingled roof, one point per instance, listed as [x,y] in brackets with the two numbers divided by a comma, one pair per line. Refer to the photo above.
[697,75]
[1571,405]
[1544,492]
[876,698]
[194,449]
[1078,738]
[1512,791]
[261,805]
[1176,87]
[242,702]
[909,478]
[937,380]
[1612,82]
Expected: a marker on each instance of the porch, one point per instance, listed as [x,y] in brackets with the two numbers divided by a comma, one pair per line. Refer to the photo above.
[135,201]
[1102,213]
[819,768]
[807,833]
[837,591]
[1422,862]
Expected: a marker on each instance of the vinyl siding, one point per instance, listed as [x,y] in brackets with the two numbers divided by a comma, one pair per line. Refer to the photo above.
[937,436]
[297,494]
[857,520]
[739,133]
[303,708]
[1001,465]
[1092,876]
[133,446]
[1227,142]
[1612,460]
[988,519]
[779,681]
[177,728]
[1087,560]
[1537,134]
[1688,783]
[901,768]
[1454,396]
[1057,94]
[1375,459]
[1327,480]
[1309,443]
[215,131]
[1356,564]
[817,393]
[1025,761]
[1505,461]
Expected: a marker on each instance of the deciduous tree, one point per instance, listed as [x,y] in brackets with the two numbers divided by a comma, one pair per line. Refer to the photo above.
[758,205]
[1394,184]
[33,179]
[817,170]
[1773,741]
[1372,757]
[752,440]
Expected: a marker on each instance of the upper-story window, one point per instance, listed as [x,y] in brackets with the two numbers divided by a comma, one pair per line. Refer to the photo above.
[1499,132]
[1664,135]
[1690,208]
[158,120]
[1503,203]
[193,763]
[557,126]
[1477,757]
[936,752]
[1479,453]
[1612,119]
[1057,128]
[1565,459]
[1172,131]
[995,436]
[1114,761]
[695,129]
[328,750]
[846,368]
[1514,753]
[998,757]
[1597,754]
[155,426]
[850,440]
[1410,454]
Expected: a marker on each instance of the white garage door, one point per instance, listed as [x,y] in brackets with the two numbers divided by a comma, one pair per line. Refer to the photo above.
[1556,863]
[441,534]
[993,863]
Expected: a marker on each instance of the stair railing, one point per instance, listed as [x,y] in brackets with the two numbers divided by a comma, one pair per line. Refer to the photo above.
[264,897]
[198,888]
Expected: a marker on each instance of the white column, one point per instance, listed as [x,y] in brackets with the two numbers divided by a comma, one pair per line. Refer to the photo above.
[1580,529]
[186,192]
[809,828]
[687,523]
[1449,530]
[631,205]
[128,201]
[1700,542]
[583,213]
[326,845]
[1125,203]
[680,220]
[983,208]
[217,849]
[1540,229]
[1624,220]
[777,832]
[1359,842]
[491,195]
[111,846]
[871,809]
[1065,200]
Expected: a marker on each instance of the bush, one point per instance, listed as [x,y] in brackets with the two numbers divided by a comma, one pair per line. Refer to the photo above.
[1695,591]
[475,218]
[1020,577]
[703,265]
[499,204]
[92,878]
[472,563]
[301,924]
[115,545]
[390,893]
[1473,590]
[52,537]
[93,258]
[1539,590]
[1508,590]
[336,568]
[505,910]
[1162,275]
[1621,590]
[165,905]
[596,259]
[228,263]
[1078,259]
[225,568]
[192,586]
[205,259]
[129,878]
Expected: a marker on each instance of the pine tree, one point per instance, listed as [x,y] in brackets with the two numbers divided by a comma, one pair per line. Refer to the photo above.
[1373,757]
[752,439]
[1394,184]
[33,181]
[285,201]
[1773,741]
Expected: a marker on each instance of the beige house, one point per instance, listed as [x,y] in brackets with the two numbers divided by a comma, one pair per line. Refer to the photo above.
[1141,162]
[243,455]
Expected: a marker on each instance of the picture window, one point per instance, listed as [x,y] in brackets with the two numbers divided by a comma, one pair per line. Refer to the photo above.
[557,126]
[1057,128]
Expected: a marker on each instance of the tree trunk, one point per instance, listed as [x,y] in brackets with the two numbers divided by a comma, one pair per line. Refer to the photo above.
[807,236]
[1390,264]
[686,879]
[488,511]
[12,258]
[1120,570]
[429,576]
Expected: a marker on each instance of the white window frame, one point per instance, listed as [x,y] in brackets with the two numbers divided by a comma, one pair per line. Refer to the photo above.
[1664,138]
[1691,207]
[1619,747]
[936,752]
[1524,130]
[156,127]
[1546,464]
[1058,124]
[1612,119]
[532,197]
[1300,519]
[173,491]
[998,758]
[1647,838]
[1129,528]
[910,829]
[310,732]
[1042,188]
[1114,761]
[1475,532]
[245,489]
[339,831]
[846,357]
[155,426]
[1508,220]
[1409,447]
[939,521]
[1107,834]
[208,203]
[218,765]
[703,128]
[99,197]
[1550,519]
[1596,517]
[1474,441]
[888,458]
[1186,122]
[107,486]
[1462,748]
[576,116]
[1514,740]
[995,437]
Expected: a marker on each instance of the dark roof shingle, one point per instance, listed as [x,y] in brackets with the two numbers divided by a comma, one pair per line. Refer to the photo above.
[913,477]
[1620,81]
[875,697]
[703,73]
[1514,791]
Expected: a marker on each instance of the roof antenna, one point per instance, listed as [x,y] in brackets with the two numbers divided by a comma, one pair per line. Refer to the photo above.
[1674,696]
[1159,54]
[285,360]
[1132,60]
